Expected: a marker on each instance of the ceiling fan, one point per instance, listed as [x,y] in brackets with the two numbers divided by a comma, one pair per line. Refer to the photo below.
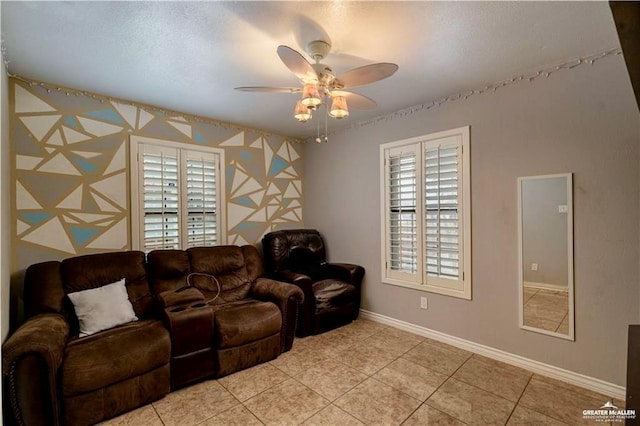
[320,85]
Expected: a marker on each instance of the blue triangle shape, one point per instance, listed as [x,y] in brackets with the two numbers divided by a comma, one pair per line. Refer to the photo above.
[86,166]
[277,165]
[245,201]
[35,218]
[81,235]
[71,122]
[198,137]
[106,114]
[243,226]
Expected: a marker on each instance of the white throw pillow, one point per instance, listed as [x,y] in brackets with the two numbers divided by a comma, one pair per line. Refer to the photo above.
[102,308]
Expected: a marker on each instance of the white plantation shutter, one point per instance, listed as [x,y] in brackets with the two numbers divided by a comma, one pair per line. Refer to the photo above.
[425,220]
[402,184]
[201,199]
[178,194]
[160,196]
[442,219]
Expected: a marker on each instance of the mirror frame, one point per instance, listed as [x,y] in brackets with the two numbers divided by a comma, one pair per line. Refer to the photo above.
[570,281]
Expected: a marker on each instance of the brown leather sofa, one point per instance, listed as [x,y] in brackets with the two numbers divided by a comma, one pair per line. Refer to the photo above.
[183,334]
[331,290]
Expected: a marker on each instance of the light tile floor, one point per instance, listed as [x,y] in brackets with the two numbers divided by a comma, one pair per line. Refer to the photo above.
[368,373]
[546,309]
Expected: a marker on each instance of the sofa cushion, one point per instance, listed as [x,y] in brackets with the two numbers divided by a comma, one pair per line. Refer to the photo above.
[333,293]
[246,321]
[102,308]
[112,356]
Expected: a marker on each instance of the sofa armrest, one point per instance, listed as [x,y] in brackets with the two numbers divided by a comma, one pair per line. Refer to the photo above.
[348,272]
[31,358]
[308,307]
[301,280]
[287,297]
[180,296]
[275,291]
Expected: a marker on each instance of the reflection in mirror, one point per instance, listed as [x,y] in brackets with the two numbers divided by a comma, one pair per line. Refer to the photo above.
[545,219]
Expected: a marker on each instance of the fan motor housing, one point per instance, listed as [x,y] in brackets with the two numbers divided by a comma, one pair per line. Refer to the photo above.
[318,49]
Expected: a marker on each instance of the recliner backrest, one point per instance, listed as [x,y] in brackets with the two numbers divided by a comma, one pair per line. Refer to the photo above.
[96,270]
[43,290]
[279,245]
[167,270]
[227,265]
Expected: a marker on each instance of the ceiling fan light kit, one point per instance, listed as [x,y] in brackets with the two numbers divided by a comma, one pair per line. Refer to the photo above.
[339,107]
[301,112]
[320,85]
[311,96]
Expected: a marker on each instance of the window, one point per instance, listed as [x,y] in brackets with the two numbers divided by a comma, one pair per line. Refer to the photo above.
[177,195]
[426,218]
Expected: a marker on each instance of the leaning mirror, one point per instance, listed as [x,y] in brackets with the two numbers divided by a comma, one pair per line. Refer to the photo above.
[545,225]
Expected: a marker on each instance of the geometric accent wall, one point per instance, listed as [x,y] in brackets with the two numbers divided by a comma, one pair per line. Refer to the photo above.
[71,192]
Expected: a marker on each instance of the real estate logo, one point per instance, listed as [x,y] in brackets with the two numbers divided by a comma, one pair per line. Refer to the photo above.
[609,413]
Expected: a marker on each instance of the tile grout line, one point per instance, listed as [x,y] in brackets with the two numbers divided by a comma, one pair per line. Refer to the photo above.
[223,411]
[442,384]
[462,380]
[259,393]
[519,398]
[157,414]
[545,414]
[397,358]
[315,412]
[371,376]
[359,371]
[561,321]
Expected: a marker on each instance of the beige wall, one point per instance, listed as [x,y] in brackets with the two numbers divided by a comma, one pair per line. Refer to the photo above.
[582,121]
[544,231]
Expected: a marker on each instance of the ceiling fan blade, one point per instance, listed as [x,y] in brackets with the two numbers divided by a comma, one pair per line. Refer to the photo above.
[268,89]
[366,74]
[355,100]
[297,64]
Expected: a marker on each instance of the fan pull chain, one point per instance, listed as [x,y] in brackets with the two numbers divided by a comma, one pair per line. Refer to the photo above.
[318,128]
[326,126]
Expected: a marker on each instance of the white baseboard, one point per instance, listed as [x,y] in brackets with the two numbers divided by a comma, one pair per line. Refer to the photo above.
[596,385]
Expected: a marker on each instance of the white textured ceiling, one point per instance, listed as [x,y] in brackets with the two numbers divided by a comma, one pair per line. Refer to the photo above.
[188,56]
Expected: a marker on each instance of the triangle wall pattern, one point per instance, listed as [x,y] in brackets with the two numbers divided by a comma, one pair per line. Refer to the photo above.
[73,197]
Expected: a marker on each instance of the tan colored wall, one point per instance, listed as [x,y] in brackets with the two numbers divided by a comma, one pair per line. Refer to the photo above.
[583,121]
[544,231]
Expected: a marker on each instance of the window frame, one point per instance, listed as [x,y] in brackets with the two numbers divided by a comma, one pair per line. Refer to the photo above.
[137,216]
[460,288]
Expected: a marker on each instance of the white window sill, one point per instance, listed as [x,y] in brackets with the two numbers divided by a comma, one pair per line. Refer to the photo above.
[460,294]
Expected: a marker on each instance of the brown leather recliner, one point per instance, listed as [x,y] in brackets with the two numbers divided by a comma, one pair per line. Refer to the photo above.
[253,317]
[331,290]
[56,378]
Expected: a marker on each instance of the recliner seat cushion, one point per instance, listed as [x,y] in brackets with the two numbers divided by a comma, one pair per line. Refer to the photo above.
[112,356]
[246,321]
[330,294]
